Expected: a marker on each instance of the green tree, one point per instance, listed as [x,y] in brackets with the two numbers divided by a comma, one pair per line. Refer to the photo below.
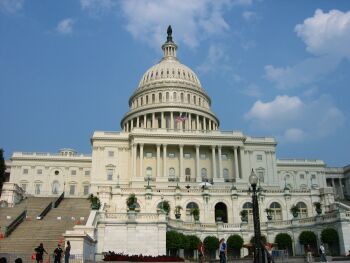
[2,168]
[263,239]
[234,245]
[284,241]
[211,244]
[192,242]
[308,238]
[173,242]
[330,237]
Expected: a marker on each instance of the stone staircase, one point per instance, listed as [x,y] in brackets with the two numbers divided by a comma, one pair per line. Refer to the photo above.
[49,230]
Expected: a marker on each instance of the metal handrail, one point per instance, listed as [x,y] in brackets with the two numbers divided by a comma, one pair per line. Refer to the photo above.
[58,201]
[45,211]
[14,224]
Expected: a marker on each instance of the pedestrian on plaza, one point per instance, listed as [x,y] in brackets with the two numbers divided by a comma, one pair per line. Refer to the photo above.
[18,260]
[67,253]
[223,251]
[3,260]
[322,252]
[58,253]
[39,253]
[308,254]
[201,252]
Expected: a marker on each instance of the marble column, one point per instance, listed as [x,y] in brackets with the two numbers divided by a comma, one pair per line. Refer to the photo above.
[141,160]
[162,120]
[220,162]
[138,122]
[181,172]
[145,121]
[236,162]
[164,160]
[189,121]
[153,120]
[242,159]
[158,160]
[213,161]
[204,124]
[198,172]
[132,123]
[172,120]
[134,153]
[197,122]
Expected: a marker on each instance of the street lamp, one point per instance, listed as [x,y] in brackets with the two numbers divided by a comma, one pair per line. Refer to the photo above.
[259,255]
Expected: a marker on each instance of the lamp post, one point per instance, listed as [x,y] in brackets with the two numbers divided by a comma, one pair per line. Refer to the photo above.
[259,254]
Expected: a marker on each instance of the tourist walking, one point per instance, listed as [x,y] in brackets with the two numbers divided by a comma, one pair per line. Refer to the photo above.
[58,252]
[39,253]
[322,253]
[67,253]
[201,252]
[308,254]
[223,250]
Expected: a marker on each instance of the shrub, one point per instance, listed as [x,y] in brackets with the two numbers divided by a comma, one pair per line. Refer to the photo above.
[235,242]
[329,236]
[192,242]
[173,240]
[308,237]
[284,241]
[131,201]
[263,239]
[111,256]
[211,243]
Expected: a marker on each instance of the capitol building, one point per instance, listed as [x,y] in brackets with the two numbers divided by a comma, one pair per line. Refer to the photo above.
[170,148]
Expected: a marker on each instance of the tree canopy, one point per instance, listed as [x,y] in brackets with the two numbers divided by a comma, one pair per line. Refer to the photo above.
[283,240]
[308,237]
[235,242]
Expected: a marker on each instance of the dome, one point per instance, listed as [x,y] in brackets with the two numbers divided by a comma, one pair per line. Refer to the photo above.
[169,93]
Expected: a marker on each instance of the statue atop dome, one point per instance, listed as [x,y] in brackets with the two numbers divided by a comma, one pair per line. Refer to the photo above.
[169,32]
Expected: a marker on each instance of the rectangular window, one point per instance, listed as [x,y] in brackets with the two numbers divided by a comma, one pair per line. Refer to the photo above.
[109,175]
[39,171]
[203,156]
[86,189]
[72,189]
[37,189]
[73,172]
[25,171]
[302,176]
[224,157]
[259,157]
[313,176]
[171,155]
[110,154]
[87,173]
[24,187]
[187,156]
[149,155]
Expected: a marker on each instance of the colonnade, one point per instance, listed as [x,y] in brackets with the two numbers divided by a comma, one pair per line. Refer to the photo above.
[171,120]
[215,173]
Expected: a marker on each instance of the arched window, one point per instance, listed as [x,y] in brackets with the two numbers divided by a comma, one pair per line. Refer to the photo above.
[172,172]
[190,206]
[204,175]
[55,187]
[141,101]
[194,100]
[182,97]
[167,96]
[149,172]
[302,209]
[188,98]
[146,99]
[248,206]
[174,96]
[188,174]
[153,98]
[225,174]
[160,97]
[276,211]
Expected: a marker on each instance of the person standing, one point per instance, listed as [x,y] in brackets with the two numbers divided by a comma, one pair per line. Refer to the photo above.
[58,254]
[322,253]
[308,254]
[67,253]
[40,253]
[223,251]
[201,252]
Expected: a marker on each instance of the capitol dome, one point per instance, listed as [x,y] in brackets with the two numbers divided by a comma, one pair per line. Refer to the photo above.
[170,95]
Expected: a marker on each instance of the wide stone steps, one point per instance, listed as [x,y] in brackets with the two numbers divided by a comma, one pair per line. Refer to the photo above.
[49,230]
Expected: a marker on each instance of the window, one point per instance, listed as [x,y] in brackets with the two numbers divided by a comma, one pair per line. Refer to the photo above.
[259,157]
[73,172]
[37,189]
[260,174]
[225,174]
[160,97]
[203,156]
[171,155]
[110,154]
[190,206]
[302,209]
[25,171]
[172,173]
[55,187]
[39,171]
[204,175]
[72,189]
[87,173]
[302,176]
[188,98]
[187,156]
[188,171]
[224,157]
[86,189]
[313,176]
[149,172]
[109,175]
[276,211]
[57,172]
[149,155]
[249,208]
[24,187]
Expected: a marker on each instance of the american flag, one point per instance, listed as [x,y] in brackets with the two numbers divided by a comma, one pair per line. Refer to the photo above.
[180,118]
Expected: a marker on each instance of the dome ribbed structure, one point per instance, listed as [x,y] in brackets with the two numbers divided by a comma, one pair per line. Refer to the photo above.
[170,96]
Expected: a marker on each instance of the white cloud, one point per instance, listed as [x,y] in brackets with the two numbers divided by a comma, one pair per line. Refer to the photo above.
[248,15]
[292,119]
[326,33]
[327,38]
[65,26]
[252,90]
[192,20]
[11,6]
[97,7]
[215,59]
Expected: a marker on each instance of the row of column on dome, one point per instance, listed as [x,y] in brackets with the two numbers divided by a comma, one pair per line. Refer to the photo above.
[171,120]
[188,163]
[187,98]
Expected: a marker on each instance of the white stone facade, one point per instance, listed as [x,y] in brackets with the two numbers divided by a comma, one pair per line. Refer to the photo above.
[171,140]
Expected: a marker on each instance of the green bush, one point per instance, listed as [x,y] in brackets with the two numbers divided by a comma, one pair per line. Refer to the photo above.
[284,241]
[308,237]
[192,242]
[173,240]
[329,236]
[235,242]
[263,239]
[211,243]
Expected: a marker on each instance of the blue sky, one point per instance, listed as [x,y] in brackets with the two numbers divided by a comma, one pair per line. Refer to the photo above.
[272,68]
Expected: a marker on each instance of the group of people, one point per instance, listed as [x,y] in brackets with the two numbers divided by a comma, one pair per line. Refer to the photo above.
[222,251]
[321,251]
[58,253]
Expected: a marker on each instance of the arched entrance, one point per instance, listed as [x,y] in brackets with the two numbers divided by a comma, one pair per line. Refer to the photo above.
[55,187]
[221,212]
